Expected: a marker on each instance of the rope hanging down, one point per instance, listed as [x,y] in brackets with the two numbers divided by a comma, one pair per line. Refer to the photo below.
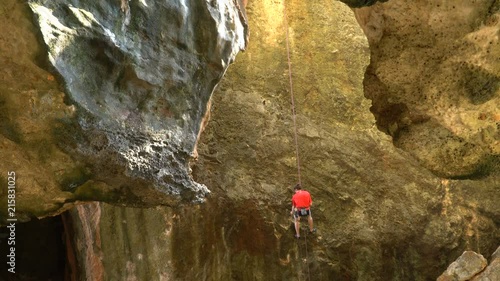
[291,95]
[303,258]
[294,125]
[307,256]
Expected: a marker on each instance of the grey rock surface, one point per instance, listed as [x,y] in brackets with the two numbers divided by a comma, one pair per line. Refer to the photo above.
[126,94]
[492,271]
[465,267]
[141,75]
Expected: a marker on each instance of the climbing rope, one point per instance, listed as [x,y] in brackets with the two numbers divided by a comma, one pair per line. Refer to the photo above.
[300,272]
[307,255]
[291,94]
[295,132]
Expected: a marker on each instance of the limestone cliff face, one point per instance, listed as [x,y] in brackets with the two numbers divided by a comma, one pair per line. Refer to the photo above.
[115,112]
[434,80]
[383,211]
[381,214]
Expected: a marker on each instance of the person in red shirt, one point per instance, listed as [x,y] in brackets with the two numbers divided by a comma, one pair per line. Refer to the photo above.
[301,207]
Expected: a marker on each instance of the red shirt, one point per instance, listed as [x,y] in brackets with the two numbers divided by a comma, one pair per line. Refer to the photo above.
[301,199]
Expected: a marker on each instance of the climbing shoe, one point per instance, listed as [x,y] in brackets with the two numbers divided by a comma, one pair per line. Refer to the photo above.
[297,236]
[312,231]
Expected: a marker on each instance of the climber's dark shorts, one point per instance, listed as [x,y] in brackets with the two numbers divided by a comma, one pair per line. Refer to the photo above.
[302,212]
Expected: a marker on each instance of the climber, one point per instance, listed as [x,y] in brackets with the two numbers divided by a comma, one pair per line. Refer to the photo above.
[301,207]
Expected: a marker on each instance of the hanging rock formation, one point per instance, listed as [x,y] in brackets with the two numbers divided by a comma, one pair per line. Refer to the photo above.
[118,116]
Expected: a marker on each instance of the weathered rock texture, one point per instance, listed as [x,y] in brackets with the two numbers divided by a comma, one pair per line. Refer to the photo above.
[380,215]
[434,81]
[111,243]
[492,271]
[465,267]
[361,3]
[119,119]
[473,266]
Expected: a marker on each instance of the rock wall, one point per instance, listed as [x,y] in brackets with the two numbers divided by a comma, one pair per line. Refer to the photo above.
[434,81]
[380,214]
[112,243]
[384,210]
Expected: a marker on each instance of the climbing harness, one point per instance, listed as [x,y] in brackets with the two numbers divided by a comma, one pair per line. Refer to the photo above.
[291,94]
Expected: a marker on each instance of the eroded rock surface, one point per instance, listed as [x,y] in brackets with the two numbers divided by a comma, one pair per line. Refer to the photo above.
[434,81]
[380,215]
[111,243]
[117,117]
[465,267]
[492,271]
[473,266]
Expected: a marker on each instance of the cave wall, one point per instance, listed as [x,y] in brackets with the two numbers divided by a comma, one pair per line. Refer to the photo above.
[38,257]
